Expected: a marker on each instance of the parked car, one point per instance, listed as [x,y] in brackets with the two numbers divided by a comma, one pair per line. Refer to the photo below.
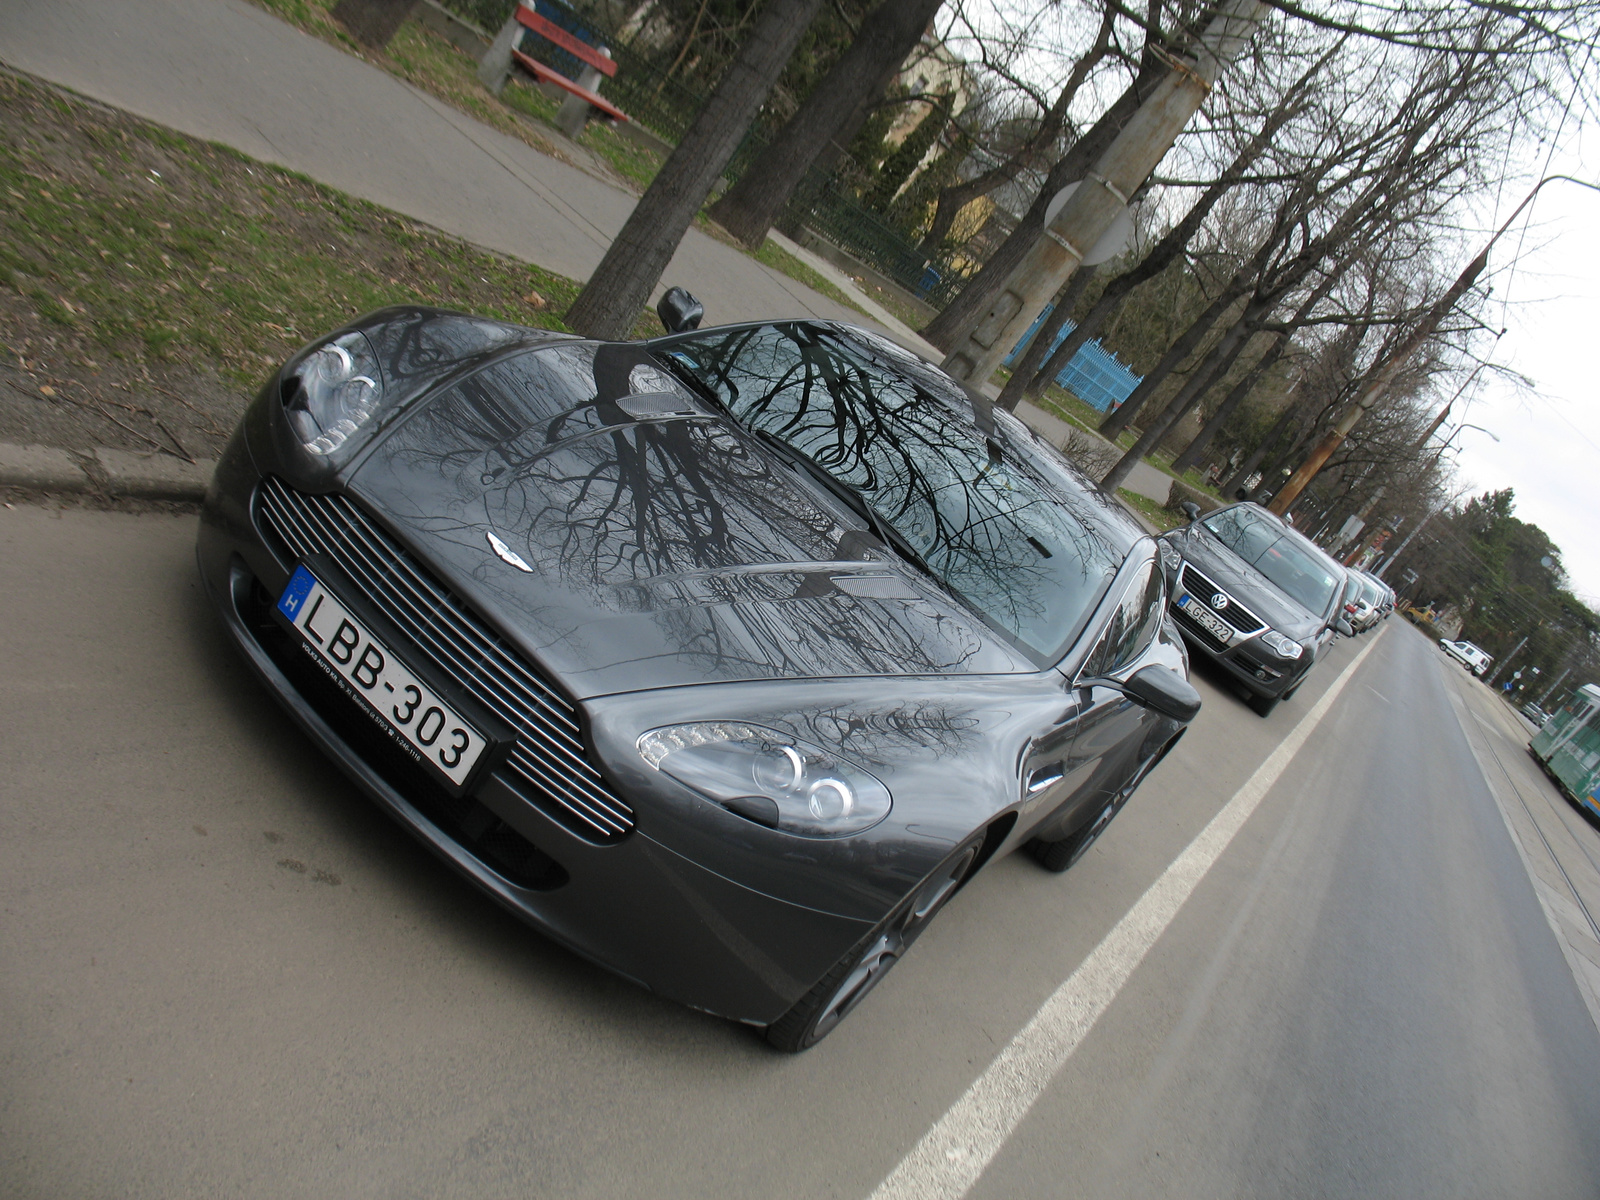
[724,659]
[1469,656]
[1368,602]
[1535,714]
[1254,596]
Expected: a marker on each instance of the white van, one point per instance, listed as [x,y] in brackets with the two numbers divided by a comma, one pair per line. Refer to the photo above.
[1468,655]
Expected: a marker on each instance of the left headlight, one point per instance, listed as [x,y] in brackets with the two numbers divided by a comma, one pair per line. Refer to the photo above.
[332,393]
[1282,646]
[1170,558]
[768,777]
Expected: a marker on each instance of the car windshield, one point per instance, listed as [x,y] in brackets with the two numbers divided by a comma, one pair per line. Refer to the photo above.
[1006,539]
[1298,571]
[1371,591]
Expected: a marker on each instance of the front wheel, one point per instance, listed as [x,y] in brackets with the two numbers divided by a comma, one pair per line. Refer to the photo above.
[1263,704]
[816,1014]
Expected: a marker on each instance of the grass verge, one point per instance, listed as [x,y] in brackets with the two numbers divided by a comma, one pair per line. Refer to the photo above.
[1158,515]
[136,258]
[775,256]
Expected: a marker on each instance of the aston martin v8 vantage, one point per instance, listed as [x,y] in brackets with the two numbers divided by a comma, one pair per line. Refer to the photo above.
[724,659]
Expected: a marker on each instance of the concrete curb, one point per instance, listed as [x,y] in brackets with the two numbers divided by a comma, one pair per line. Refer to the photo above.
[103,471]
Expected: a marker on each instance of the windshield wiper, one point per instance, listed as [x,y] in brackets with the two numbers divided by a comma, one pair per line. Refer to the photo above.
[853,500]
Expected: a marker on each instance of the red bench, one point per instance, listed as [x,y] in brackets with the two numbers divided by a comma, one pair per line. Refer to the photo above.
[579,49]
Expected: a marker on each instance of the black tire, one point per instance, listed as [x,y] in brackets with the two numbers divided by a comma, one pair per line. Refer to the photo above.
[1057,856]
[818,1013]
[1263,704]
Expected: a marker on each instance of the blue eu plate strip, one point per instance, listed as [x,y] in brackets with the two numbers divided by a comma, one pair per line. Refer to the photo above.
[300,585]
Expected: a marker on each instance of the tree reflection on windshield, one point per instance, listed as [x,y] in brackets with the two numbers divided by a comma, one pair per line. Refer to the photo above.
[994,531]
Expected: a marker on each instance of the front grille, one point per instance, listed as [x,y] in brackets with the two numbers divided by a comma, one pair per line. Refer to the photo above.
[1202,589]
[549,766]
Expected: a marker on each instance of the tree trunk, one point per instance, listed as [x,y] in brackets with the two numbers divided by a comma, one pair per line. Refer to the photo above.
[1230,404]
[890,32]
[1248,467]
[373,22]
[1213,367]
[1026,367]
[983,288]
[1123,415]
[610,302]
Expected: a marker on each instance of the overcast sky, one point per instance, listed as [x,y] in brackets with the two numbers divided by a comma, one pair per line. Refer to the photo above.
[1549,448]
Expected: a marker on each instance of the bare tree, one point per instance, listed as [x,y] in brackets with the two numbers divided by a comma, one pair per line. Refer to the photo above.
[610,302]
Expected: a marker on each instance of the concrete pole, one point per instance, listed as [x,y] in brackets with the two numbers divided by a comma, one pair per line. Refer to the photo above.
[1515,650]
[1118,173]
[1401,548]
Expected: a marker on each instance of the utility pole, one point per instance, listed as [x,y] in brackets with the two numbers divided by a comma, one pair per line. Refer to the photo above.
[1377,386]
[1116,175]
[1400,549]
[1515,650]
[1385,374]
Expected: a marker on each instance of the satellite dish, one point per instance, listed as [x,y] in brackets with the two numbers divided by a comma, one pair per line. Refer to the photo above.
[1112,242]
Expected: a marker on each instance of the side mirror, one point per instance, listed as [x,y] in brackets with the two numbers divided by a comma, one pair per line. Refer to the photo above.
[679,311]
[1191,510]
[1163,690]
[1344,627]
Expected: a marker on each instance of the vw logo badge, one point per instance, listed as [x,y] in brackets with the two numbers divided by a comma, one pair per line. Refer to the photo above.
[1219,601]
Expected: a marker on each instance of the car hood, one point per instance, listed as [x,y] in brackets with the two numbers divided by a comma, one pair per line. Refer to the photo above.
[1246,584]
[646,540]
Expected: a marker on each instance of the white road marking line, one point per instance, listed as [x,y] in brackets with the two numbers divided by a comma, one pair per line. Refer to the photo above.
[953,1154]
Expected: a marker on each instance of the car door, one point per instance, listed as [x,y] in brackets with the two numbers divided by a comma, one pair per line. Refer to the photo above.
[1101,743]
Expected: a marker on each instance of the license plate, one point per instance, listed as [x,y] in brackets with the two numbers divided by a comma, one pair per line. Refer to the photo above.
[423,724]
[1205,618]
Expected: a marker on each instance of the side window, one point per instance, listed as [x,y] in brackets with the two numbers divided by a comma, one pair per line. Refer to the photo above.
[1133,626]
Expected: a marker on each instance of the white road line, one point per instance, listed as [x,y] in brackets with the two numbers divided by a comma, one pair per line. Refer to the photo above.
[953,1154]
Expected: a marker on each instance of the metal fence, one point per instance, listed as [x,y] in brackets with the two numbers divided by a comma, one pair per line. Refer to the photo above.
[1094,375]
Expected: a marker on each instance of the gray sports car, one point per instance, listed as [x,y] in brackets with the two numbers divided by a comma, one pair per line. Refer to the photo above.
[724,659]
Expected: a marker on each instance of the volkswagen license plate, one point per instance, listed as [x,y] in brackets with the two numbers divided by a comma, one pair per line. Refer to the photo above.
[419,721]
[1205,618]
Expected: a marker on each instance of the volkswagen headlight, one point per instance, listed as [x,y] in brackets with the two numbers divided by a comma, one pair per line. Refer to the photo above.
[332,393]
[768,777]
[1282,646]
[1170,558]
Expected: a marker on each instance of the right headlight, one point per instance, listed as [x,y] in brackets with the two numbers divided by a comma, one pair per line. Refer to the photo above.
[768,777]
[332,393]
[1170,558]
[1283,647]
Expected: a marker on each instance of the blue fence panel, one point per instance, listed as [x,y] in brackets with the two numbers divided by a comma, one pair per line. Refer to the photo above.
[1094,375]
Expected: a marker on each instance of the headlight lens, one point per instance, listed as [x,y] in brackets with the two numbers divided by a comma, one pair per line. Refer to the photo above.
[334,392]
[1170,558]
[1281,646]
[768,777]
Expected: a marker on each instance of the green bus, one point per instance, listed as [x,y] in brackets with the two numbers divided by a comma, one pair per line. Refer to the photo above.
[1568,747]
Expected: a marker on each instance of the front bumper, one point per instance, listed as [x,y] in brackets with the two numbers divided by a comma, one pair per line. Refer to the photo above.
[633,905]
[1248,661]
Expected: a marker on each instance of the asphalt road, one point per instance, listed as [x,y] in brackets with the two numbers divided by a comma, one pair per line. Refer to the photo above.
[223,973]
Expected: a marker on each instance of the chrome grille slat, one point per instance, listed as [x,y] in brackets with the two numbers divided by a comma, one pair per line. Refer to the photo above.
[423,605]
[435,641]
[549,759]
[1203,589]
